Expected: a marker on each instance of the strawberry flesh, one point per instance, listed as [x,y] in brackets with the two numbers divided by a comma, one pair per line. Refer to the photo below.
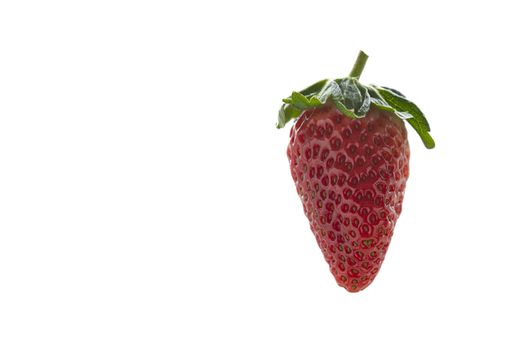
[350,175]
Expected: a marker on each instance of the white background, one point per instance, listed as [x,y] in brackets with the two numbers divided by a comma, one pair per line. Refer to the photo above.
[145,195]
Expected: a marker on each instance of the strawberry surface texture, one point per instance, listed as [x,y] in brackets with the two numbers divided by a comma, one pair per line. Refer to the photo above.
[350,176]
[349,160]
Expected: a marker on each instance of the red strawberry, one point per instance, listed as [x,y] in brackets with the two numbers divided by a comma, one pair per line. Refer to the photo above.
[349,157]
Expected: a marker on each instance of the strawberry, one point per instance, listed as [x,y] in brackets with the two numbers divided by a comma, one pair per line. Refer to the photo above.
[349,159]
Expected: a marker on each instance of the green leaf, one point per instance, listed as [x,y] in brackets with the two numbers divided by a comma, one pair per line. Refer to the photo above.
[352,97]
[394,91]
[365,106]
[348,95]
[381,104]
[378,101]
[401,104]
[405,110]
[314,88]
[300,101]
[425,136]
[346,111]
[354,100]
[311,97]
[330,90]
[287,113]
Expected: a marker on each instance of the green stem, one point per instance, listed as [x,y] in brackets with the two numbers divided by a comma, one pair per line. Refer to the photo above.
[359,65]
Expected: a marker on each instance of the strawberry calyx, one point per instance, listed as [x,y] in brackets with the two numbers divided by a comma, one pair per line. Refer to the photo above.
[354,99]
